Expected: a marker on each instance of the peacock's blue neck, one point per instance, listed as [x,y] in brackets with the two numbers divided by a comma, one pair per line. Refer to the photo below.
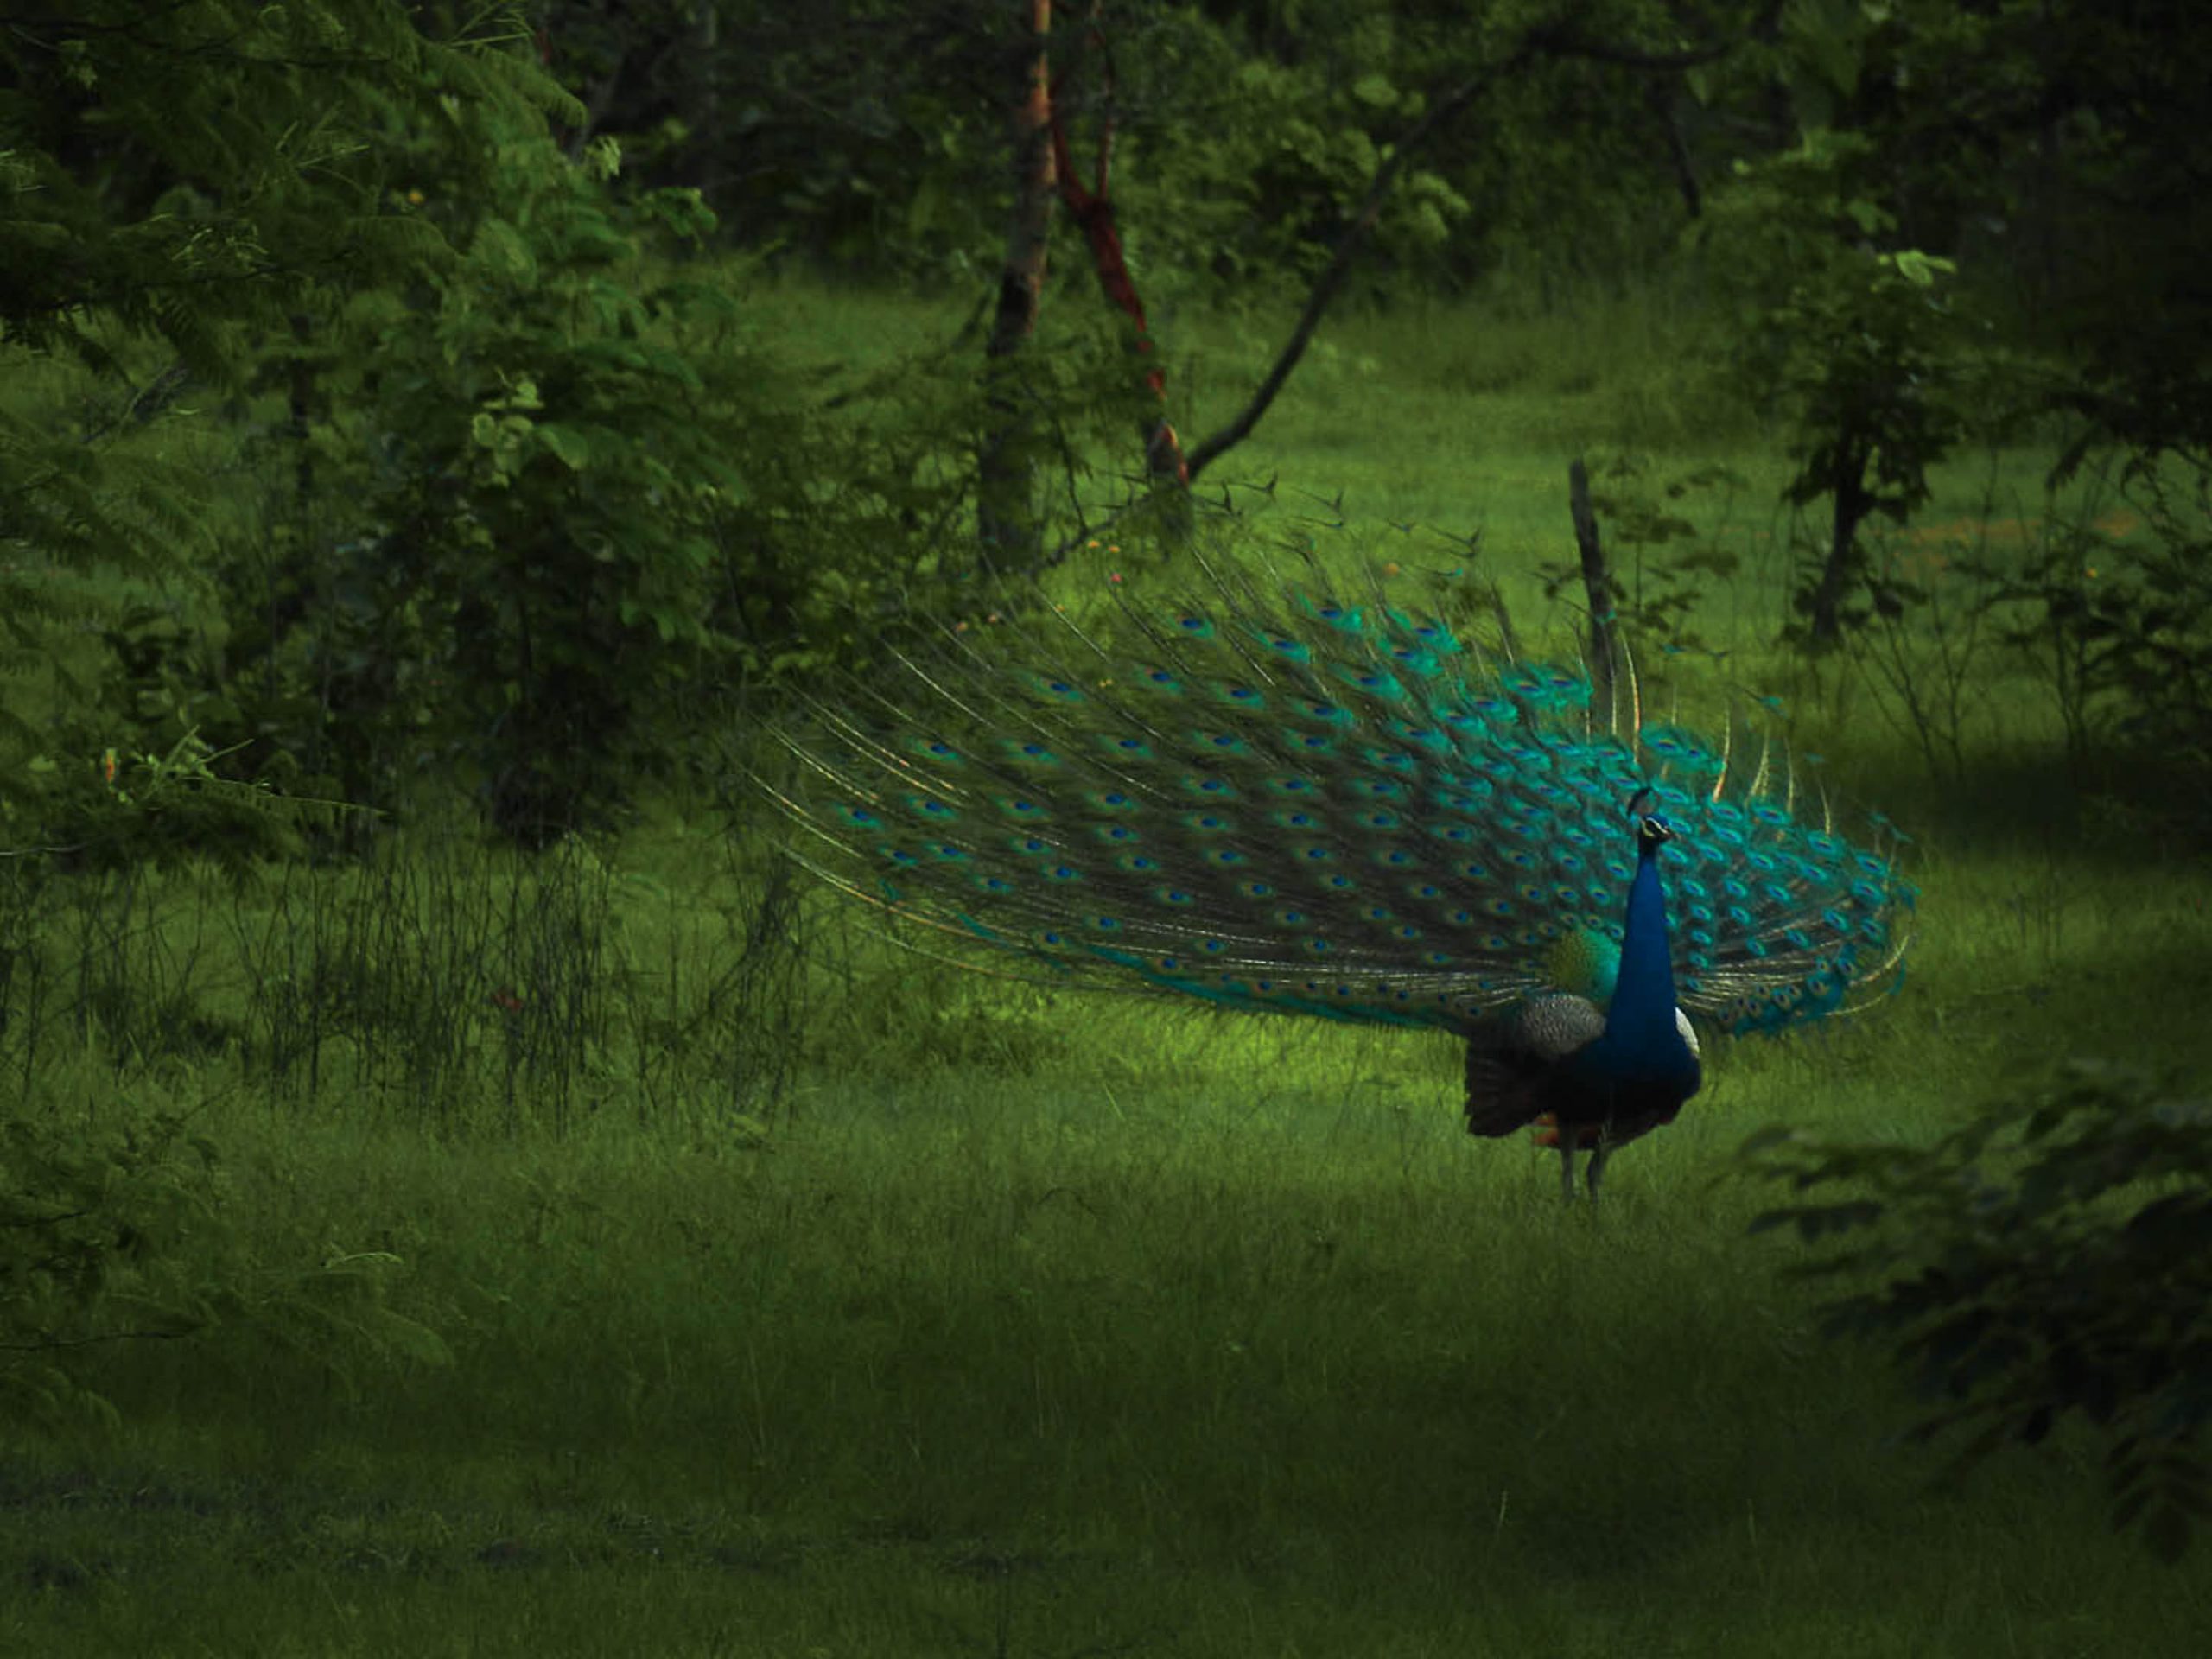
[1640,1028]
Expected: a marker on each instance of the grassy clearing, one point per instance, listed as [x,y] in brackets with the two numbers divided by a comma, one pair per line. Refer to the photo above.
[1049,1326]
[1200,1333]
[1261,1356]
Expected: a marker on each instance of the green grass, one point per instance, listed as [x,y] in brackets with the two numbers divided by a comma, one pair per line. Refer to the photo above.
[1208,1333]
[1238,1346]
[1051,1326]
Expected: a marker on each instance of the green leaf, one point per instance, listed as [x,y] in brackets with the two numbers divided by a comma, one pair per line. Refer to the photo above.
[568,444]
[1375,90]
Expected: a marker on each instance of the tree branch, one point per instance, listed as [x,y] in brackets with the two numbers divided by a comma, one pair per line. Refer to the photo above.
[1331,281]
[1554,39]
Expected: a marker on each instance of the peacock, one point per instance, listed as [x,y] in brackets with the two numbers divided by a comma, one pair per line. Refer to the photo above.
[1292,803]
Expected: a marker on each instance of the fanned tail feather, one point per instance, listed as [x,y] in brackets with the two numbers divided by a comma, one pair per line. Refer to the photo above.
[1301,804]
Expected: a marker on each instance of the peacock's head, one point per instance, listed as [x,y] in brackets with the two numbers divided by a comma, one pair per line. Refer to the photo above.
[1652,831]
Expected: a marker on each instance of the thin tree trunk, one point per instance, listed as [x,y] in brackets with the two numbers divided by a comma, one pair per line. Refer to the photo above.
[1007,521]
[301,400]
[703,100]
[597,101]
[1666,104]
[1596,584]
[1853,504]
[1092,210]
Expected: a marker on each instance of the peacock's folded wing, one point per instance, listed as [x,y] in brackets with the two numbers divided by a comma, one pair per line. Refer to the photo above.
[1514,1075]
[1512,1066]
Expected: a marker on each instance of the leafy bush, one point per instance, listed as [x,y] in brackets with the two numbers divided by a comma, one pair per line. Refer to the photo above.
[1656,597]
[2034,1264]
[548,480]
[123,1234]
[2123,627]
[237,177]
[1865,353]
[1259,209]
[568,508]
[112,809]
[559,486]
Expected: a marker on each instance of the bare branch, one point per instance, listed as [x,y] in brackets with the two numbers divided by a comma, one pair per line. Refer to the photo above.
[1555,40]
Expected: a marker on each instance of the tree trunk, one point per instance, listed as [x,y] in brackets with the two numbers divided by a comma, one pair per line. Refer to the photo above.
[1666,104]
[1007,521]
[702,98]
[302,409]
[598,100]
[1853,504]
[1092,210]
[1597,585]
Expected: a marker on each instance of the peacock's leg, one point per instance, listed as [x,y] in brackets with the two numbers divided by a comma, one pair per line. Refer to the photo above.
[1597,1161]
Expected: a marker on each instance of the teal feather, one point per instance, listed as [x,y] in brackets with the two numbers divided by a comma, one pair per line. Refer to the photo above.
[1315,808]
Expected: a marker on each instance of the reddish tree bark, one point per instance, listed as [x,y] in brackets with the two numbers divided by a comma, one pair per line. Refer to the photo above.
[1092,209]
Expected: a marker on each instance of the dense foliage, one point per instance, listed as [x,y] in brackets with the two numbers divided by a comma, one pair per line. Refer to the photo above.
[181,180]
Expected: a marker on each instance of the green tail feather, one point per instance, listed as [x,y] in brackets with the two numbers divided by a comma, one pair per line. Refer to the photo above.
[1321,809]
